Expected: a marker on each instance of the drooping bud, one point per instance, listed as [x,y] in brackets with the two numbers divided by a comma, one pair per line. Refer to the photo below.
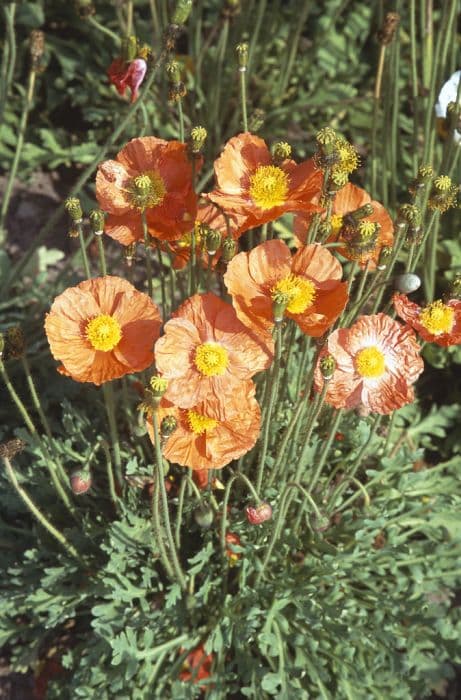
[37,48]
[204,516]
[81,481]
[212,240]
[387,32]
[385,255]
[327,367]
[168,426]
[259,514]
[242,55]
[229,249]
[198,136]
[96,217]
[182,11]
[407,282]
[281,151]
[11,448]
[74,209]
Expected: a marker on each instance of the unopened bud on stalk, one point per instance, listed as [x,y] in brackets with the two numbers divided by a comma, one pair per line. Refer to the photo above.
[280,152]
[387,32]
[385,255]
[14,343]
[212,241]
[259,514]
[80,481]
[256,120]
[204,516]
[182,11]
[74,209]
[407,282]
[11,448]
[198,136]
[242,54]
[168,426]
[229,249]
[96,217]
[37,48]
[327,367]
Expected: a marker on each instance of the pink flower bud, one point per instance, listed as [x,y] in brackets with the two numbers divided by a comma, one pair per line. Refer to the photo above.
[80,482]
[260,514]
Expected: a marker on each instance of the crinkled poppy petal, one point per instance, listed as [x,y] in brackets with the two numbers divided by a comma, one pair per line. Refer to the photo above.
[252,305]
[174,217]
[317,263]
[140,154]
[327,307]
[240,158]
[269,261]
[126,228]
[112,187]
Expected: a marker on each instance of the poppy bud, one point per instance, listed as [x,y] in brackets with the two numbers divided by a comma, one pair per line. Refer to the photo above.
[168,426]
[204,516]
[384,257]
[407,282]
[387,32]
[260,514]
[74,209]
[96,217]
[242,54]
[182,11]
[229,249]
[327,367]
[80,481]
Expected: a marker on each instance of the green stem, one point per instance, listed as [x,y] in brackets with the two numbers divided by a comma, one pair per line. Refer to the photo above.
[102,256]
[8,58]
[181,121]
[375,119]
[145,230]
[192,263]
[110,474]
[109,401]
[105,30]
[185,482]
[38,514]
[312,417]
[81,239]
[243,98]
[326,448]
[162,279]
[17,155]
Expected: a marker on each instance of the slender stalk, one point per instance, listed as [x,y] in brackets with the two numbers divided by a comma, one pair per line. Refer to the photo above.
[103,29]
[375,118]
[145,230]
[85,261]
[109,401]
[8,57]
[162,279]
[63,541]
[166,513]
[315,410]
[181,121]
[192,262]
[185,482]
[326,448]
[110,474]
[102,256]
[17,155]
[129,17]
[414,85]
[243,97]
[158,529]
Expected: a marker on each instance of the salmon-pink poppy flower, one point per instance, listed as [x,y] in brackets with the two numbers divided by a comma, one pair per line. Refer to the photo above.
[362,243]
[214,432]
[249,184]
[150,175]
[377,361]
[102,329]
[310,282]
[127,74]
[197,666]
[438,322]
[206,352]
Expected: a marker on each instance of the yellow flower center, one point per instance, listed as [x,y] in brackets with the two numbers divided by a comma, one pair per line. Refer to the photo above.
[211,359]
[370,362]
[437,318]
[268,186]
[336,223]
[199,424]
[104,332]
[147,190]
[297,292]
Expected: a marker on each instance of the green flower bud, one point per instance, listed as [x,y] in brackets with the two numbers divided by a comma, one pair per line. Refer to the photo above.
[204,516]
[182,11]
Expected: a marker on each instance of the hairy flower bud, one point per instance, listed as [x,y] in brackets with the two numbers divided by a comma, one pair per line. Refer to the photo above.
[182,11]
[327,367]
[74,209]
[259,514]
[80,481]
[387,32]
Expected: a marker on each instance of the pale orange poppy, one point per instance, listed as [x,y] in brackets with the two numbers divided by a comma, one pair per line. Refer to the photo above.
[214,432]
[310,281]
[377,362]
[102,329]
[151,175]
[206,352]
[438,322]
[249,184]
[347,200]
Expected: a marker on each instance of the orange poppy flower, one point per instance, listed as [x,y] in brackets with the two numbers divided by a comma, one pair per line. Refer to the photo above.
[151,175]
[197,666]
[310,283]
[250,185]
[438,322]
[377,361]
[102,329]
[206,352]
[348,199]
[214,432]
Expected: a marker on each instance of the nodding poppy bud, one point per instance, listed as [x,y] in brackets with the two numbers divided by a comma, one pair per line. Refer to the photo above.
[280,152]
[327,367]
[182,11]
[260,514]
[385,255]
[74,209]
[229,249]
[407,282]
[204,515]
[10,449]
[168,426]
[242,54]
[387,32]
[96,217]
[80,481]
[212,241]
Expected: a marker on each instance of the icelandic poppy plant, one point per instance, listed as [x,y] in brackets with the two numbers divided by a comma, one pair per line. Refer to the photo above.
[148,175]
[210,434]
[438,322]
[250,184]
[309,284]
[362,238]
[377,360]
[206,352]
[102,329]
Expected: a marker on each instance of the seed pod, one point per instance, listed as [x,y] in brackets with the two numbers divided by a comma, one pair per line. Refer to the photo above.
[327,367]
[168,426]
[229,248]
[96,217]
[74,209]
[407,282]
